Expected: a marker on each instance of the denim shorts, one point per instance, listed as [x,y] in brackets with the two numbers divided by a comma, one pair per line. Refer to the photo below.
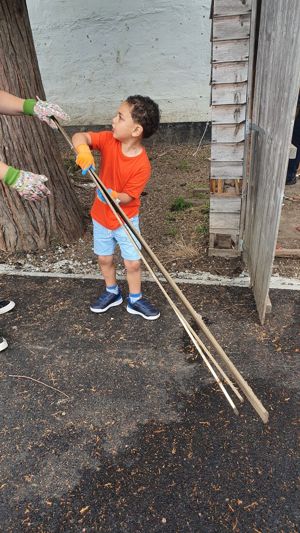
[105,240]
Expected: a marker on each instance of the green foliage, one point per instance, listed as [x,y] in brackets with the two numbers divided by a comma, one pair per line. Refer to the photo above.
[203,228]
[180,204]
[205,208]
[183,165]
[172,232]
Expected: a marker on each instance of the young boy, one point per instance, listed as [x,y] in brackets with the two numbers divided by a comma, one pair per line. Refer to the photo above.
[125,170]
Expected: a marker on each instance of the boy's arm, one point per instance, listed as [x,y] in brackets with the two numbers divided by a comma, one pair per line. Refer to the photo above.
[120,197]
[81,138]
[85,160]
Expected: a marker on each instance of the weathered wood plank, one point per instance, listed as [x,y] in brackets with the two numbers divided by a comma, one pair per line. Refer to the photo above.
[223,133]
[228,114]
[276,89]
[224,223]
[224,51]
[226,169]
[288,252]
[227,152]
[223,204]
[231,7]
[229,93]
[250,88]
[228,28]
[235,72]
[217,252]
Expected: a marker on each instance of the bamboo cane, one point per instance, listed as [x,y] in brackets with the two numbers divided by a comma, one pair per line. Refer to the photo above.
[255,402]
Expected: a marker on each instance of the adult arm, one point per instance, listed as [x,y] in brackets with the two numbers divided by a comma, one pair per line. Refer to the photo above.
[30,186]
[10,104]
[13,105]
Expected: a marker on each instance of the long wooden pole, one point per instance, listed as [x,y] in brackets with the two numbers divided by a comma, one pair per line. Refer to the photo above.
[250,395]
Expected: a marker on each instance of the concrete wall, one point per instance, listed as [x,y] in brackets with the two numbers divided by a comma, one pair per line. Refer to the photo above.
[92,54]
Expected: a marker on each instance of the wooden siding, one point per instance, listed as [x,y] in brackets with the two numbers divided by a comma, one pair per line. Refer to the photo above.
[226,169]
[229,72]
[231,21]
[224,51]
[228,204]
[228,28]
[229,93]
[227,152]
[231,7]
[228,114]
[227,133]
[224,223]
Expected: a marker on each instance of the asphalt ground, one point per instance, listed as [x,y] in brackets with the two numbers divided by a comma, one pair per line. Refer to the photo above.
[144,441]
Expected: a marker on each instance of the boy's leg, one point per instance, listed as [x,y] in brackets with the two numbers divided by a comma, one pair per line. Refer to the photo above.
[107,268]
[104,245]
[137,305]
[134,275]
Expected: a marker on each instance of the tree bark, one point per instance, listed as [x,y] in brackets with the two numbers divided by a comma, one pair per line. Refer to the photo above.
[28,144]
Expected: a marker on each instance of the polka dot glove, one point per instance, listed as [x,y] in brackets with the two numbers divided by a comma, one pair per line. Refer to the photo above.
[45,110]
[30,186]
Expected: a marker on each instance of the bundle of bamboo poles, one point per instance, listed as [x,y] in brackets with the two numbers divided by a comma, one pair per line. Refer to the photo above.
[214,367]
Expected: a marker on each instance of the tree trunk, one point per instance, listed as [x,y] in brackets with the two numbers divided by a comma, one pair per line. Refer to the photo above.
[28,144]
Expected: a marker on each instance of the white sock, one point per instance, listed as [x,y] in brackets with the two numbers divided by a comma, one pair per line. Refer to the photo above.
[113,288]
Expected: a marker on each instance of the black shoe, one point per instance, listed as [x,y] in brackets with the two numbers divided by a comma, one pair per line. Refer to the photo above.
[292,180]
[3,344]
[144,308]
[6,305]
[105,301]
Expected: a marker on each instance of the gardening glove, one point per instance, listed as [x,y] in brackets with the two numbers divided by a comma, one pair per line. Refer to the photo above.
[44,110]
[113,194]
[30,186]
[85,159]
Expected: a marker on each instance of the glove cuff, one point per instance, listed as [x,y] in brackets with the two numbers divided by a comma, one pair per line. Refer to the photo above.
[28,106]
[83,148]
[11,176]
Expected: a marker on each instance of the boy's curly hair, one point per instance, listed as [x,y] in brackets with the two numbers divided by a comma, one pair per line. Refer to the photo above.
[145,112]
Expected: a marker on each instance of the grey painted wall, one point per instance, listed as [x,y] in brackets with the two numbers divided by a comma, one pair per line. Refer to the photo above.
[93,54]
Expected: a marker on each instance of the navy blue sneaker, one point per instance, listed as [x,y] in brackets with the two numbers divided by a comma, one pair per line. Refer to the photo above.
[105,301]
[144,308]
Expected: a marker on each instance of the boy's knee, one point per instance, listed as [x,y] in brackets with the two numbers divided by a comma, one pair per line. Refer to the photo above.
[105,260]
[132,266]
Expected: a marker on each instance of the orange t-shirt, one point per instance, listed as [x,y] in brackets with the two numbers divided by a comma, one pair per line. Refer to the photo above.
[119,173]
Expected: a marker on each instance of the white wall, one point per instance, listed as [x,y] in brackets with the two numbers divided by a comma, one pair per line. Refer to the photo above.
[94,53]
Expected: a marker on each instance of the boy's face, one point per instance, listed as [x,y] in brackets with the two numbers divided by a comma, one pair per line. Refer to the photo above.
[123,126]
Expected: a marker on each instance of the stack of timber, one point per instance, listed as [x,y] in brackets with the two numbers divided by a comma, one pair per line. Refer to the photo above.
[229,82]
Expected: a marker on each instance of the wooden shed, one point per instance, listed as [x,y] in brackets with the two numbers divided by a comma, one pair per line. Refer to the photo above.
[255,80]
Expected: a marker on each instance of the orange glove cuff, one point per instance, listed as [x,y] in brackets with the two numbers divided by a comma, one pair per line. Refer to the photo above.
[83,148]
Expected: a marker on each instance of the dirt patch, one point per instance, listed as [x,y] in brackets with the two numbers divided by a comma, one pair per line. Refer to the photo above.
[174,219]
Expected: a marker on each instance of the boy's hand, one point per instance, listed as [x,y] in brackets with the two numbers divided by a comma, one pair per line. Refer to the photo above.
[30,186]
[113,194]
[85,159]
[44,110]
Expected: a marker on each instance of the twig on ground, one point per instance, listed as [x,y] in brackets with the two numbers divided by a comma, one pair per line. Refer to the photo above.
[38,381]
[195,153]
